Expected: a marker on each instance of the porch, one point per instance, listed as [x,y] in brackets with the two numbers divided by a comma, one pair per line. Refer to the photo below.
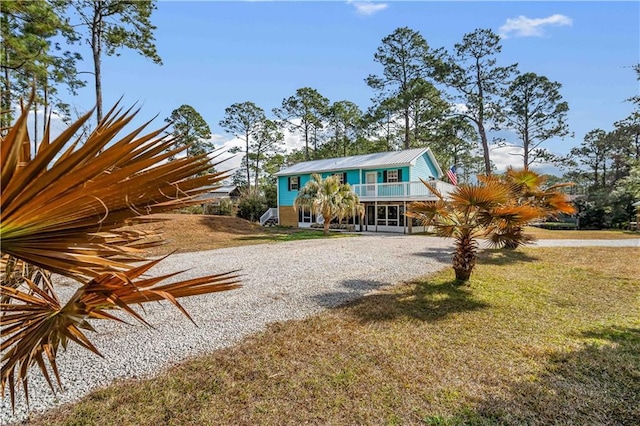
[400,191]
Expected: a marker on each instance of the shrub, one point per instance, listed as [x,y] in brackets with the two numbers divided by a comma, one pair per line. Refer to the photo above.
[251,206]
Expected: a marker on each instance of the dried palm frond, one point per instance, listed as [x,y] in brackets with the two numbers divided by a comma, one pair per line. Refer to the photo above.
[60,212]
[497,208]
[50,204]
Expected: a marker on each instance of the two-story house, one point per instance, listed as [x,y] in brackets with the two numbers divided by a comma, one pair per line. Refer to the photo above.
[385,182]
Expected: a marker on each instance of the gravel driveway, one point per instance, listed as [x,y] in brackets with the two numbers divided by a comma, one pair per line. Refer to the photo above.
[281,281]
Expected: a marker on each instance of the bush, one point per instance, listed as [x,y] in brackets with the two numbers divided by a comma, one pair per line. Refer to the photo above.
[251,206]
[225,207]
[191,210]
[557,226]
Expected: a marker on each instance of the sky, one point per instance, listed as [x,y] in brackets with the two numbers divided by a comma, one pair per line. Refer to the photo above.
[219,53]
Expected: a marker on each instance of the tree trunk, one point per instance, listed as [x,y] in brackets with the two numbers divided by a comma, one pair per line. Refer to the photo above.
[407,130]
[96,48]
[464,259]
[257,174]
[325,226]
[485,148]
[306,142]
[246,152]
[480,120]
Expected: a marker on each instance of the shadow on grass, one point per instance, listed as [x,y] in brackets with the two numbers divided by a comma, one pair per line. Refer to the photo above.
[598,384]
[504,257]
[419,300]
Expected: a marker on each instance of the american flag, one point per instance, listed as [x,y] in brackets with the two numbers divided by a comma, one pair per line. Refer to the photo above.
[451,174]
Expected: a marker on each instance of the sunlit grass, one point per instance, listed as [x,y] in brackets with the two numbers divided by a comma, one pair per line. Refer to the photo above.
[540,336]
[559,234]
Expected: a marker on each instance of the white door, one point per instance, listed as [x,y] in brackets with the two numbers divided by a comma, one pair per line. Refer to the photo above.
[372,178]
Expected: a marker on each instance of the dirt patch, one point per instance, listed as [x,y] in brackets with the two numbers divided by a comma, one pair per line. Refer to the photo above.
[188,233]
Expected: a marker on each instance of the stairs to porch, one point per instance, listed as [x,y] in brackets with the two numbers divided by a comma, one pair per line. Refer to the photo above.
[269,218]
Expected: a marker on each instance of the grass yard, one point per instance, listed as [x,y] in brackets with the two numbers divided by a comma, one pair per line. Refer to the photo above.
[187,233]
[541,336]
[605,234]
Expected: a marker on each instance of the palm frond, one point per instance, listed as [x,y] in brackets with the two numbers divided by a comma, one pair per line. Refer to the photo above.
[61,211]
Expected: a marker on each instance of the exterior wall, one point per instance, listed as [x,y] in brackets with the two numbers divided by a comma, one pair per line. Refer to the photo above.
[286,197]
[424,168]
[287,216]
[352,176]
[404,178]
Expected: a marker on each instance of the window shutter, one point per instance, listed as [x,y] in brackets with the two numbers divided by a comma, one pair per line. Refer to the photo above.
[289,182]
[384,176]
[344,177]
[399,175]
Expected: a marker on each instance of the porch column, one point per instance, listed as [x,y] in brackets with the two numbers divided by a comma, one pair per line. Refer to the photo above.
[404,219]
[375,213]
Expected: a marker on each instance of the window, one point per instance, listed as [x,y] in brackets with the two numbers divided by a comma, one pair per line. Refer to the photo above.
[392,176]
[294,183]
[342,177]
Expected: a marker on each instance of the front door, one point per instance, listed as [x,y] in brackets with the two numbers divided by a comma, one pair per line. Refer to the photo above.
[372,178]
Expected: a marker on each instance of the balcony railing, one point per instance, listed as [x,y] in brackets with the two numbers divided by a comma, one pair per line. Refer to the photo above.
[400,191]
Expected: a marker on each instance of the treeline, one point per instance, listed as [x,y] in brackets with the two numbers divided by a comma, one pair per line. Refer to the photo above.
[449,99]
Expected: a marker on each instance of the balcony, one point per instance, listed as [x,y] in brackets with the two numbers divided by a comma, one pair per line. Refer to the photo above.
[400,191]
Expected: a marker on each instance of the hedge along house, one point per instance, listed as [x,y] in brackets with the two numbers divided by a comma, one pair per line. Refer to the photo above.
[385,182]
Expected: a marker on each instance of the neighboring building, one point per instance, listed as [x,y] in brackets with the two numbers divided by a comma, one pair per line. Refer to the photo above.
[211,200]
[218,192]
[385,182]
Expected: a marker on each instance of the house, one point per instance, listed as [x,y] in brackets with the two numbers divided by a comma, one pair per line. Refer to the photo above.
[211,200]
[386,183]
[218,192]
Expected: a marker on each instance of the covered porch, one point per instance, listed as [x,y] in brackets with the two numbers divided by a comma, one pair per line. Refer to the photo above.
[400,191]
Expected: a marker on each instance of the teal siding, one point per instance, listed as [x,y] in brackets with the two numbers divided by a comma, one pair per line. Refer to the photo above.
[352,176]
[404,178]
[286,197]
[423,169]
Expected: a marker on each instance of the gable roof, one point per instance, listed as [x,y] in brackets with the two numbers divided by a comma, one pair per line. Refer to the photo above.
[407,157]
[217,192]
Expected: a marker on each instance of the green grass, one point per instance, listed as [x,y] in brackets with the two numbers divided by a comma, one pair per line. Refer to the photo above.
[280,234]
[540,336]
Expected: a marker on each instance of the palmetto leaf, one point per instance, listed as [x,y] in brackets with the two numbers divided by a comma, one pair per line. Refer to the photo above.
[497,208]
[90,190]
[61,211]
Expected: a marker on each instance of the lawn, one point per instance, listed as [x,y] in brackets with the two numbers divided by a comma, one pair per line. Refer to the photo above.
[541,336]
[187,233]
[605,234]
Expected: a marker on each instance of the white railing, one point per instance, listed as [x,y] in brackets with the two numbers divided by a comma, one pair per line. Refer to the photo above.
[400,190]
[272,212]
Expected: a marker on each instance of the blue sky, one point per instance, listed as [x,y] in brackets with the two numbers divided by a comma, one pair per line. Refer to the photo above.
[219,53]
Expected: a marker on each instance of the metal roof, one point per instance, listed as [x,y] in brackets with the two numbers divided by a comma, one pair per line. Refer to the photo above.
[378,159]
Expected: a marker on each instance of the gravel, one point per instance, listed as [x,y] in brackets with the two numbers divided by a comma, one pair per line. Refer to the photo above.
[281,282]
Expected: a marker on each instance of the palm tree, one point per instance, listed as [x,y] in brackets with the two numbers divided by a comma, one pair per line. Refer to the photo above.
[484,210]
[329,198]
[61,211]
[526,187]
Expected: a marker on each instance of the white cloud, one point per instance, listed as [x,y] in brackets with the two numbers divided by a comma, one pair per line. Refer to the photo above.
[367,8]
[528,27]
